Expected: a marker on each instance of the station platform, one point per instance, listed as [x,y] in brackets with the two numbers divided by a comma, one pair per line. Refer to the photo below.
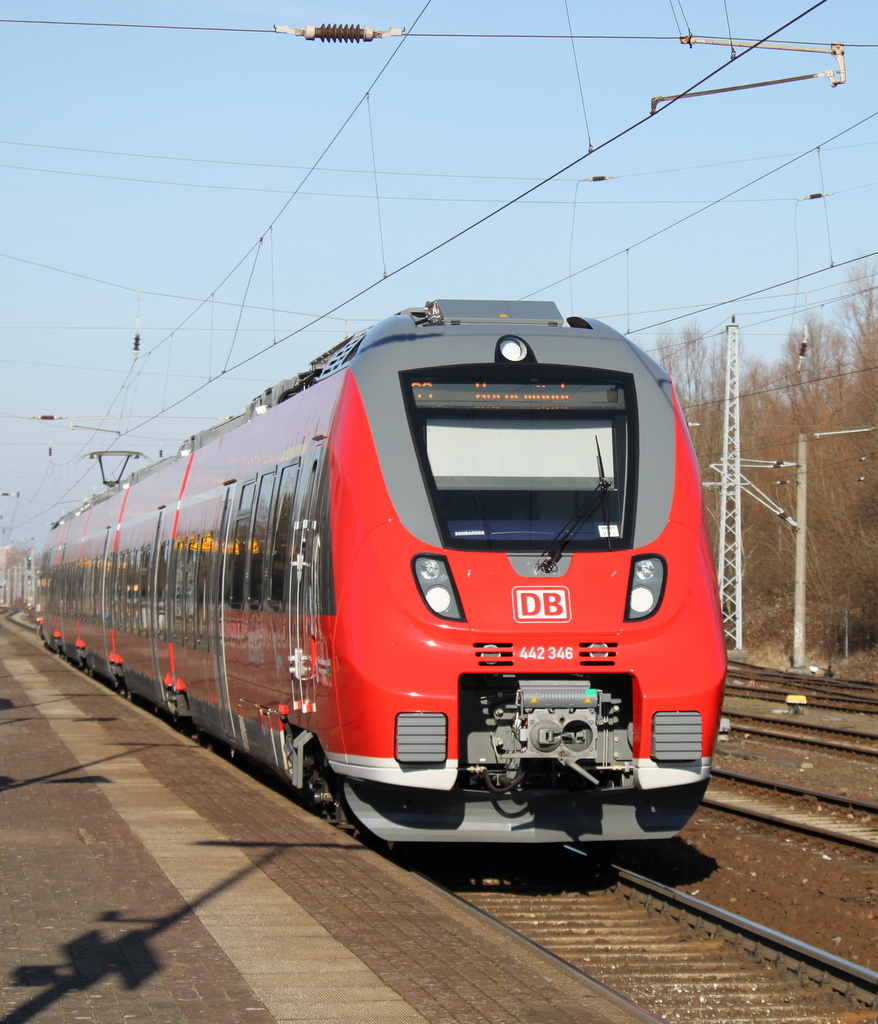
[146,880]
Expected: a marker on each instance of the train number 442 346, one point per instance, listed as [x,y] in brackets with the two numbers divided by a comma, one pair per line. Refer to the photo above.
[542,653]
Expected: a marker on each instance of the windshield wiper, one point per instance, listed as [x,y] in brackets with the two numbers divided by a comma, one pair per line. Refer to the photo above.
[552,555]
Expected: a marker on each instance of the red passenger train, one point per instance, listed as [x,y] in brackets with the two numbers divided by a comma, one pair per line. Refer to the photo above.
[453,582]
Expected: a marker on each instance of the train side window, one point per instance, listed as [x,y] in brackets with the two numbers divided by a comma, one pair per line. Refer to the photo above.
[190,571]
[177,575]
[216,580]
[132,592]
[280,548]
[236,572]
[247,492]
[99,569]
[117,574]
[202,592]
[86,597]
[77,590]
[258,538]
[144,594]
[238,549]
[118,580]
[161,590]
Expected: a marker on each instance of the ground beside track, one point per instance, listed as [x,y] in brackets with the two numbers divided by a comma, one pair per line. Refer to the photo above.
[144,879]
[814,890]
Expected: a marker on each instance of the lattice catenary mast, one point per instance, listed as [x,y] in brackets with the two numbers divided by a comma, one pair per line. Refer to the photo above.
[732,485]
[729,554]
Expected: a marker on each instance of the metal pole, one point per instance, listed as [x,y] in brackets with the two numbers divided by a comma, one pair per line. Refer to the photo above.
[729,564]
[801,549]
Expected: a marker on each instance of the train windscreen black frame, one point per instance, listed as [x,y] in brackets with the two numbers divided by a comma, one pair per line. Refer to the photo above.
[512,456]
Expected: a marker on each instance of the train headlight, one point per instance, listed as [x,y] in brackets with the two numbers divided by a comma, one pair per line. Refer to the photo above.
[429,569]
[644,569]
[439,599]
[646,587]
[513,349]
[642,600]
[436,586]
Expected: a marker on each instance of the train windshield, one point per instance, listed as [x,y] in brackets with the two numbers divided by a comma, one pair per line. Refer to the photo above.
[510,464]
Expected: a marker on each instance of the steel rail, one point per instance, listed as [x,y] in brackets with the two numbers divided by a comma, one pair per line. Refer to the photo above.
[817,692]
[844,976]
[860,705]
[797,723]
[785,787]
[602,987]
[744,668]
[781,733]
[799,684]
[777,818]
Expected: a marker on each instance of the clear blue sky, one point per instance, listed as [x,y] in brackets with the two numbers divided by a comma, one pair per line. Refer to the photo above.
[153,161]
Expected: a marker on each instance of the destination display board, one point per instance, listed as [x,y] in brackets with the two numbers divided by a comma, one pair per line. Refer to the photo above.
[569,395]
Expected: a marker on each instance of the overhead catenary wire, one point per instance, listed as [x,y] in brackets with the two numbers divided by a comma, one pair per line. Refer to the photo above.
[825,207]
[375,177]
[487,217]
[407,174]
[284,207]
[411,199]
[311,170]
[494,213]
[790,384]
[759,291]
[729,25]
[480,221]
[623,37]
[256,253]
[707,206]
[161,295]
[578,77]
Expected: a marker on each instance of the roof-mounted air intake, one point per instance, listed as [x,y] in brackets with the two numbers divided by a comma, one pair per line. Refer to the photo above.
[484,311]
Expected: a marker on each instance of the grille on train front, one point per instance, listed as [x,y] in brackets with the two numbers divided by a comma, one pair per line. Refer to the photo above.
[505,654]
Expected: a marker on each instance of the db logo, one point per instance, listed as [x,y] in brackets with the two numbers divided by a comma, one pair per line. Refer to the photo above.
[530,604]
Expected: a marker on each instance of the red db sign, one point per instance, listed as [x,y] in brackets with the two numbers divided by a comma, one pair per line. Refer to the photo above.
[532,604]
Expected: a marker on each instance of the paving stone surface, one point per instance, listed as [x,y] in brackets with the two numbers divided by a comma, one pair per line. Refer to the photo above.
[146,880]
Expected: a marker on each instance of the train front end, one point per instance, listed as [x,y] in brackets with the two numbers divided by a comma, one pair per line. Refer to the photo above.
[527,642]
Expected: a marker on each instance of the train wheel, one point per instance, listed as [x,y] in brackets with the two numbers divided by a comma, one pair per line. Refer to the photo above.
[204,739]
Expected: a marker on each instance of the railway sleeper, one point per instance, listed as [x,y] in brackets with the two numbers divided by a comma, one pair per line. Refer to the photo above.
[810,973]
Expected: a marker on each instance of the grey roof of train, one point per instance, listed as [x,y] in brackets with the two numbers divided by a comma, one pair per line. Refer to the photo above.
[439,312]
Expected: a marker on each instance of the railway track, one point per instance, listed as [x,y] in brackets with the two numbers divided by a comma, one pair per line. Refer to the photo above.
[817,820]
[678,956]
[680,970]
[836,738]
[816,698]
[759,683]
[746,670]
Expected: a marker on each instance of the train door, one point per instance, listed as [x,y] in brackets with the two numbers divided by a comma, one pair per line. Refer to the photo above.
[305,634]
[156,609]
[105,592]
[277,583]
[237,645]
[184,590]
[217,585]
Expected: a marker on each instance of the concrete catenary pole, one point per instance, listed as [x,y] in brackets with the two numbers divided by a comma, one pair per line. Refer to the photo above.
[801,554]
